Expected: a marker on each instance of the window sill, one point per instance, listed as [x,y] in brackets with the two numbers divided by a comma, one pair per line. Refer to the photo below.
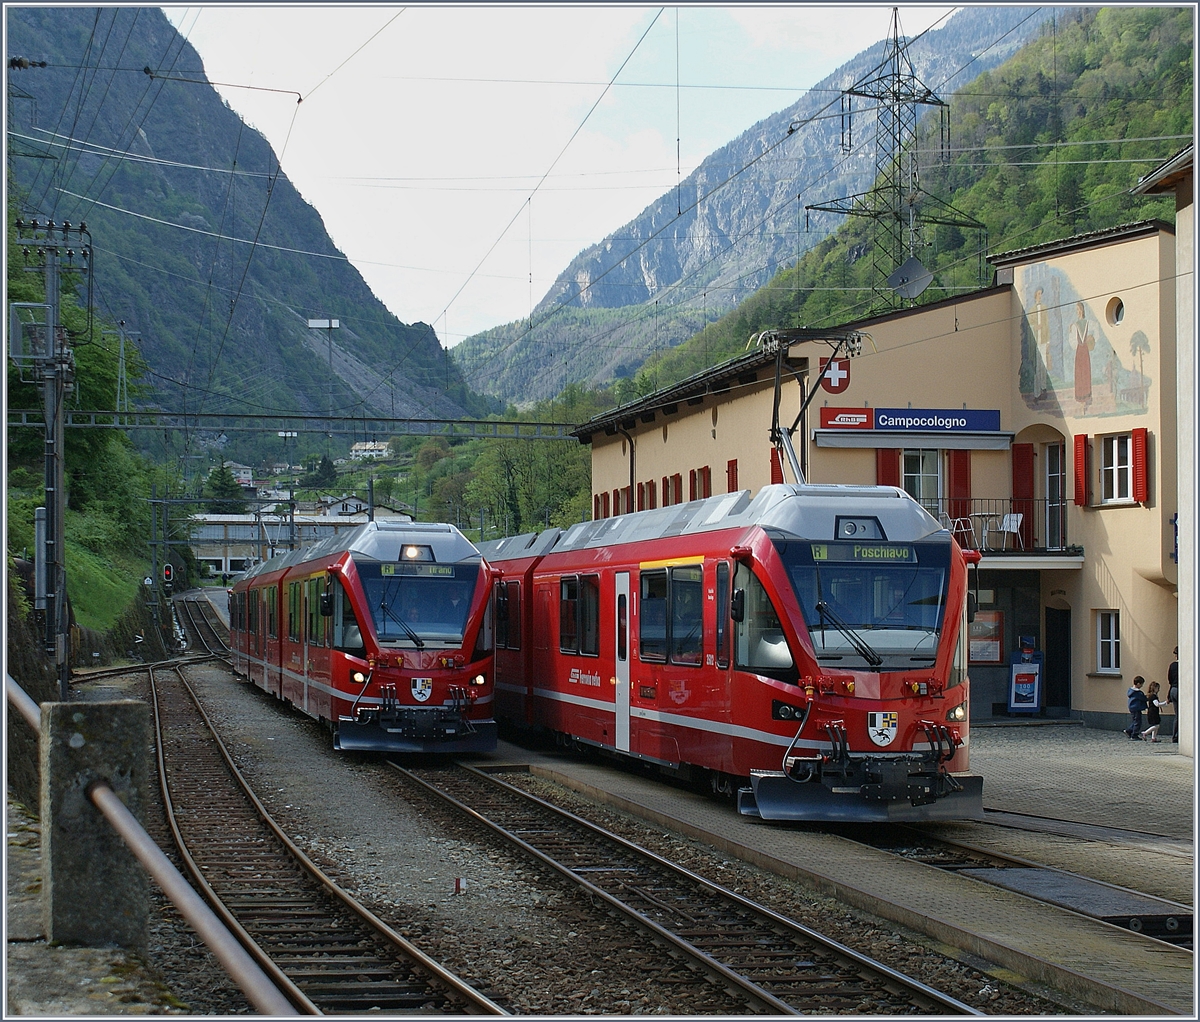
[1130,502]
[1104,674]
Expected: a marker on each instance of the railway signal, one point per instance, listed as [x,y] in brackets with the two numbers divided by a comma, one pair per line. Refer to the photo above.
[168,573]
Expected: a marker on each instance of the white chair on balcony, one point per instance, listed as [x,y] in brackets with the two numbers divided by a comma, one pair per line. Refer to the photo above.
[1010,524]
[962,529]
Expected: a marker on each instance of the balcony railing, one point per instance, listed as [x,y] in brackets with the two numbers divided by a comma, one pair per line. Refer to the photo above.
[1004,524]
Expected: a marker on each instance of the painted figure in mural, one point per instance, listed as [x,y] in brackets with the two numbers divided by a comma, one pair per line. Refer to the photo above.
[1084,341]
[1043,367]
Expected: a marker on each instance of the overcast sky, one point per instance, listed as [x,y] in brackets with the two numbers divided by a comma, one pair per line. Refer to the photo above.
[461,156]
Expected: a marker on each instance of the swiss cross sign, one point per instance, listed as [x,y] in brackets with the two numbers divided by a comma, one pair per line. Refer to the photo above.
[837,378]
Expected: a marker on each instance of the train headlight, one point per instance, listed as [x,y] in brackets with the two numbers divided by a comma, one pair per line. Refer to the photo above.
[479,679]
[958,713]
[359,677]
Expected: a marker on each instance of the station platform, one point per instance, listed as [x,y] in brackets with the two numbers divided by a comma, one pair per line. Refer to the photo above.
[1098,783]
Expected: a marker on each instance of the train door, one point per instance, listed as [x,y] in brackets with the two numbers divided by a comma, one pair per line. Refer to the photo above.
[622,661]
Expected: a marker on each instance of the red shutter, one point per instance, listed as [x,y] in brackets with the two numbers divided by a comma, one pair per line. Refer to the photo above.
[1081,469]
[616,502]
[651,495]
[666,491]
[628,492]
[776,466]
[731,479]
[641,505]
[958,483]
[706,482]
[604,505]
[887,466]
[1022,490]
[1141,470]
[596,507]
[677,488]
[692,485]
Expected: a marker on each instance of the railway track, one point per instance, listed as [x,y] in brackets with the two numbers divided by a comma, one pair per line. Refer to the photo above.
[201,621]
[774,963]
[325,951]
[1159,918]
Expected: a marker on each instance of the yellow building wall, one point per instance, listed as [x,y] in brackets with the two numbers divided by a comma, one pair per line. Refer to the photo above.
[1012,349]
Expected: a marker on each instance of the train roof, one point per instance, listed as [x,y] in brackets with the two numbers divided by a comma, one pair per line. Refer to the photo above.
[809,511]
[380,541]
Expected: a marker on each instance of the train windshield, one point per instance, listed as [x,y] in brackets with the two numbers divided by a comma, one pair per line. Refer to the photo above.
[419,605]
[873,602]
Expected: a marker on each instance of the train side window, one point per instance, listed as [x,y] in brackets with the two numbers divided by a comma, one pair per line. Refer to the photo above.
[568,631]
[589,615]
[347,633]
[273,612]
[542,635]
[513,602]
[723,614]
[254,611]
[622,628]
[652,616]
[500,599]
[759,642]
[687,615]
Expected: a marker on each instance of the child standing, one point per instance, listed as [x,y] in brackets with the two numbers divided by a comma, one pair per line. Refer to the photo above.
[1137,703]
[1152,715]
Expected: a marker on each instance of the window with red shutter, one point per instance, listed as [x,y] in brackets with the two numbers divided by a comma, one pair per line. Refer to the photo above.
[596,507]
[677,488]
[1141,470]
[692,485]
[776,466]
[1081,470]
[704,482]
[1022,490]
[731,476]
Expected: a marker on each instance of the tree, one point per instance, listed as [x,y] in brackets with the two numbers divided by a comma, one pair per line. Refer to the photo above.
[326,474]
[227,495]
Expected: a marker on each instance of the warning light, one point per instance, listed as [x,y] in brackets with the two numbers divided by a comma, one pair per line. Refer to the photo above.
[168,573]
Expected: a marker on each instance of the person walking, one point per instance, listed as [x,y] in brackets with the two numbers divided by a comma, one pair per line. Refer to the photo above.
[1173,691]
[1153,718]
[1137,704]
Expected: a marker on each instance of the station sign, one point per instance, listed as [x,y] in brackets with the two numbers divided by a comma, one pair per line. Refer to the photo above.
[917,420]
[926,419]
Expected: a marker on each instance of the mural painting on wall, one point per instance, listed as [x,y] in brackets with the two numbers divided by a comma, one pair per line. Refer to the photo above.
[1073,363]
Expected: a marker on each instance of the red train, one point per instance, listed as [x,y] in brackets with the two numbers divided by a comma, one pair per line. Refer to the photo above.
[807,649]
[383,633]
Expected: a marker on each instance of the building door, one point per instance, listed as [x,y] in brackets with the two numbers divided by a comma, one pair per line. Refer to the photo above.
[1058,659]
[622,661]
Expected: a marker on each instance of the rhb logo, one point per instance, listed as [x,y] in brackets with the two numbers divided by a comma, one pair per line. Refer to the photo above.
[847,418]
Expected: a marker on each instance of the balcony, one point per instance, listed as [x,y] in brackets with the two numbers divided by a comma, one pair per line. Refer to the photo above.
[1006,527]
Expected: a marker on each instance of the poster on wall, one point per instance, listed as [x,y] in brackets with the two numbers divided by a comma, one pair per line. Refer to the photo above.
[1024,689]
[987,637]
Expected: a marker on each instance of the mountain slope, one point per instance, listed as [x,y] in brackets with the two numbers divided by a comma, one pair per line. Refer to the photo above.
[1114,88]
[656,280]
[204,248]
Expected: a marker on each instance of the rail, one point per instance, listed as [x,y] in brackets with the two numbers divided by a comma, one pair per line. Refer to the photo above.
[241,968]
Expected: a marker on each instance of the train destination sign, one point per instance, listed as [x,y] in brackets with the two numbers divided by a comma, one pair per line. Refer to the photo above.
[416,569]
[876,553]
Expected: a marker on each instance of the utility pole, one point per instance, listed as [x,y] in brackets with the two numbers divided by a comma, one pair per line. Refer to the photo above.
[38,342]
[329,326]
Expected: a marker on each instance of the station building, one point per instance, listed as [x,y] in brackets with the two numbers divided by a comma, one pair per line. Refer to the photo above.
[1036,418]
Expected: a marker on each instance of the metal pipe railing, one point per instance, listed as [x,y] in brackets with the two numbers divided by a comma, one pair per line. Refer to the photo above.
[242,969]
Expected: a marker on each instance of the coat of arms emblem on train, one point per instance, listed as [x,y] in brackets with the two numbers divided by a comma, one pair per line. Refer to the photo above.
[422,687]
[881,726]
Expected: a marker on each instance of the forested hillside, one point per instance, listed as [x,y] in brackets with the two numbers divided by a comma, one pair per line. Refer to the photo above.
[1045,146]
[690,257]
[204,248]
